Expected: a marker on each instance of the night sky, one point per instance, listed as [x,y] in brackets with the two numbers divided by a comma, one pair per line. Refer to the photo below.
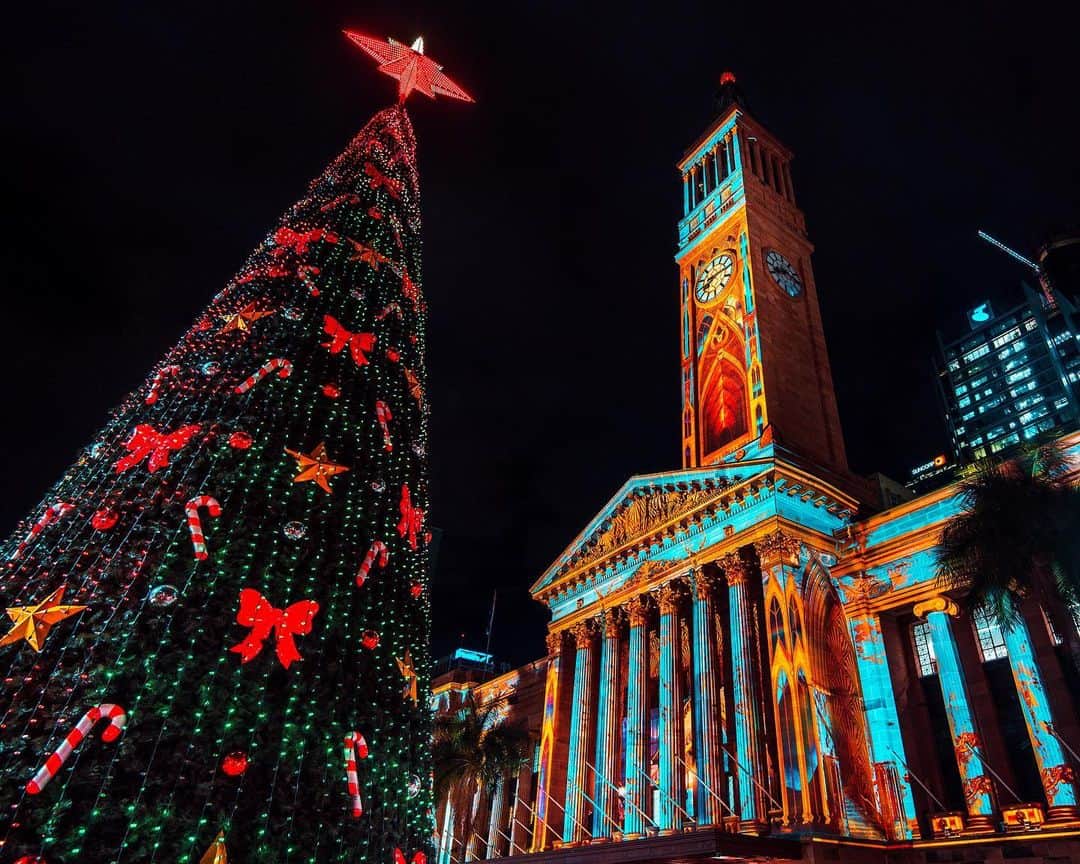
[152,145]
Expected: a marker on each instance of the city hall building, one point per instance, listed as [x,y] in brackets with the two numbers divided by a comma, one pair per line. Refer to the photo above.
[749,659]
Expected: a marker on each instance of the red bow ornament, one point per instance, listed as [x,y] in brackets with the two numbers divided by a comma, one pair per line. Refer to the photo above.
[340,337]
[299,241]
[412,518]
[366,254]
[260,615]
[379,180]
[146,441]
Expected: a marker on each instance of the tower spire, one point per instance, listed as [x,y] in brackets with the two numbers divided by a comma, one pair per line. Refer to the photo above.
[729,93]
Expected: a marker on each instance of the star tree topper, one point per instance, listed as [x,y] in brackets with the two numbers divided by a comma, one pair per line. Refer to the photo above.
[244,318]
[33,623]
[316,466]
[413,69]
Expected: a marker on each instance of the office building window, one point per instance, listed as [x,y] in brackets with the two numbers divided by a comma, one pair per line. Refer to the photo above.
[924,649]
[989,635]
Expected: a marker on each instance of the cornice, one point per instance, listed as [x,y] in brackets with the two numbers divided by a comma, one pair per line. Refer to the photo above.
[591,563]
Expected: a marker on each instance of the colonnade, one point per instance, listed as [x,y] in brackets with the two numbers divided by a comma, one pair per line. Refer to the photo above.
[610,787]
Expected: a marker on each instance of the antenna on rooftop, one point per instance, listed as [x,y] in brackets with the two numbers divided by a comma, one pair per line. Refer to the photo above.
[1044,279]
[491,622]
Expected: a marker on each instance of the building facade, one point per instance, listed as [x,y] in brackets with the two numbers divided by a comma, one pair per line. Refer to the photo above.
[748,658]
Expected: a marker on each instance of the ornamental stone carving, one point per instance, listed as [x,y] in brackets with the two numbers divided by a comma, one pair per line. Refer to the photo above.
[936,604]
[613,622]
[637,610]
[640,517]
[705,584]
[778,548]
[583,633]
[554,642]
[670,595]
[735,568]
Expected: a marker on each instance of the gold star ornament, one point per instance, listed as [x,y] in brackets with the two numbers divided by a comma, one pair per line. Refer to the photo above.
[243,319]
[33,623]
[217,853]
[316,466]
[408,672]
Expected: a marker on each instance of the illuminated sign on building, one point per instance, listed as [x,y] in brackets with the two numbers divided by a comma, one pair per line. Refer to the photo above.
[979,315]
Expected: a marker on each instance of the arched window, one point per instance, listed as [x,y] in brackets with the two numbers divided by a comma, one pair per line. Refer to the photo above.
[776,623]
[795,620]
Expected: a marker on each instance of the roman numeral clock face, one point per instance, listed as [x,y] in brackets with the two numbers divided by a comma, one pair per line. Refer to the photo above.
[783,273]
[715,277]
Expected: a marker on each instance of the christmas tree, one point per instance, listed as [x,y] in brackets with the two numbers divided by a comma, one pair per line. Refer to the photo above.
[226,595]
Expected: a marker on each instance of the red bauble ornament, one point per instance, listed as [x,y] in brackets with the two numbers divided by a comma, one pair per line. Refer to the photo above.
[314,292]
[240,440]
[416,589]
[235,763]
[331,391]
[370,640]
[104,519]
[392,355]
[30,859]
[419,858]
[399,857]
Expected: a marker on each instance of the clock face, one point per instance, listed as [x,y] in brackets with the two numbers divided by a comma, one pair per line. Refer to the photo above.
[715,277]
[783,273]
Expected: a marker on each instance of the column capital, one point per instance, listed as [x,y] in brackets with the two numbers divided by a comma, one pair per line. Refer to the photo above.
[936,604]
[583,633]
[735,568]
[554,642]
[777,548]
[637,610]
[705,584]
[613,620]
[670,595]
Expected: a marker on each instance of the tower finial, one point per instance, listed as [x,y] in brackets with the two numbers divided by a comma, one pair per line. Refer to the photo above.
[729,93]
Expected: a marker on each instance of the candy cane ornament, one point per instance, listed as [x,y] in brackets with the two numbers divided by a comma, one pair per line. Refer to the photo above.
[116,716]
[155,385]
[383,415]
[283,367]
[355,748]
[52,513]
[304,274]
[195,523]
[377,548]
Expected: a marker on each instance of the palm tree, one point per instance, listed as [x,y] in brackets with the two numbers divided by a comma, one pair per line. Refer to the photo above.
[1018,534]
[473,751]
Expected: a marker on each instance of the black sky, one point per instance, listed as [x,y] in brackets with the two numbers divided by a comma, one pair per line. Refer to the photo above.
[150,146]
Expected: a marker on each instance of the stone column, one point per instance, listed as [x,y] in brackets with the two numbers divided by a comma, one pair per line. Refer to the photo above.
[446,838]
[495,822]
[607,726]
[542,828]
[581,724]
[672,773]
[736,154]
[1054,767]
[637,720]
[707,711]
[978,787]
[686,193]
[519,812]
[749,746]
[879,700]
[471,842]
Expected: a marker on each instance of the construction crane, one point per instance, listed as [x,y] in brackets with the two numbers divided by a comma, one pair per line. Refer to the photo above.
[1040,273]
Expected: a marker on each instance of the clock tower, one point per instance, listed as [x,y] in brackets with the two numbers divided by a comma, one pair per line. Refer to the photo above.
[754,363]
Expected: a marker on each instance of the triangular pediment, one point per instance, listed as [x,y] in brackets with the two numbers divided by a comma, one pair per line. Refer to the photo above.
[644,504]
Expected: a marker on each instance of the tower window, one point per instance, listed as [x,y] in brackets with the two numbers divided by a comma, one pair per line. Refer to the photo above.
[708,167]
[989,636]
[924,649]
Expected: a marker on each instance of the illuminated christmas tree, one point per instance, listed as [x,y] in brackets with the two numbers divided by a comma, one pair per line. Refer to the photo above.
[226,595]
